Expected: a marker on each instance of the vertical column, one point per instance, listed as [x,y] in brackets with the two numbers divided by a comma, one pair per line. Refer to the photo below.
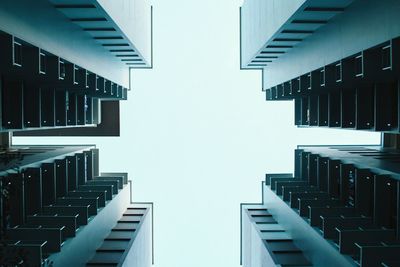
[33,192]
[323,174]
[72,173]
[364,192]
[313,169]
[96,161]
[15,203]
[49,183]
[334,178]
[89,165]
[347,175]
[81,168]
[385,201]
[61,178]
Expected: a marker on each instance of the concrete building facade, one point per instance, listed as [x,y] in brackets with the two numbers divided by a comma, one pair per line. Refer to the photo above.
[337,60]
[64,67]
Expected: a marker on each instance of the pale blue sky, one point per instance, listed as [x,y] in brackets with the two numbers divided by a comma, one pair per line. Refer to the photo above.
[197,135]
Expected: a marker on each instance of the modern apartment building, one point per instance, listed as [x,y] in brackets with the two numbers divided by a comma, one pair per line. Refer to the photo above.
[337,60]
[338,208]
[58,209]
[65,66]
[68,63]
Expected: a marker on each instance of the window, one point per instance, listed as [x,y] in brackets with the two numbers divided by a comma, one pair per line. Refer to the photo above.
[76,75]
[296,85]
[359,66]
[98,83]
[322,77]
[338,72]
[42,62]
[387,57]
[67,101]
[86,106]
[308,81]
[61,69]
[17,53]
[87,79]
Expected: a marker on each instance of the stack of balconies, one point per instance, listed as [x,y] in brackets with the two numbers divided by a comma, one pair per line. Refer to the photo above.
[51,202]
[116,247]
[358,92]
[264,234]
[66,64]
[40,90]
[340,207]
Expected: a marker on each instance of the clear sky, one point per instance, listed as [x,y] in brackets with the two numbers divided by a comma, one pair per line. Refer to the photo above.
[198,136]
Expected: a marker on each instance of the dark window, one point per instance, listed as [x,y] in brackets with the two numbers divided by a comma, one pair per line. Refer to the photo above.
[61,69]
[296,85]
[351,189]
[98,83]
[17,53]
[359,66]
[67,101]
[387,57]
[86,106]
[76,75]
[338,72]
[322,77]
[42,62]
[87,79]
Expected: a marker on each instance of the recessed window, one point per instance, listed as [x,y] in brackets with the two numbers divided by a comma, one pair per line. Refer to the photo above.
[87,79]
[387,57]
[86,106]
[98,83]
[67,101]
[359,65]
[322,77]
[308,81]
[76,74]
[119,91]
[298,85]
[107,86]
[61,69]
[42,62]
[114,88]
[17,53]
[338,72]
[286,89]
[295,85]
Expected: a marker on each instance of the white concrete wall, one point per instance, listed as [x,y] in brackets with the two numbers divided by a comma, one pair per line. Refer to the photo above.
[140,254]
[364,24]
[40,24]
[260,20]
[133,17]
[254,252]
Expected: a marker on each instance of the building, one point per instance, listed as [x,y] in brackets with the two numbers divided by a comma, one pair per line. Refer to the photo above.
[338,208]
[55,199]
[65,66]
[337,60]
[70,65]
[339,69]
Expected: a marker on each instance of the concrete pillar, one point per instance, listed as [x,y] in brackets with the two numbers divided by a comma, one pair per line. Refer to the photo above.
[6,139]
[390,140]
